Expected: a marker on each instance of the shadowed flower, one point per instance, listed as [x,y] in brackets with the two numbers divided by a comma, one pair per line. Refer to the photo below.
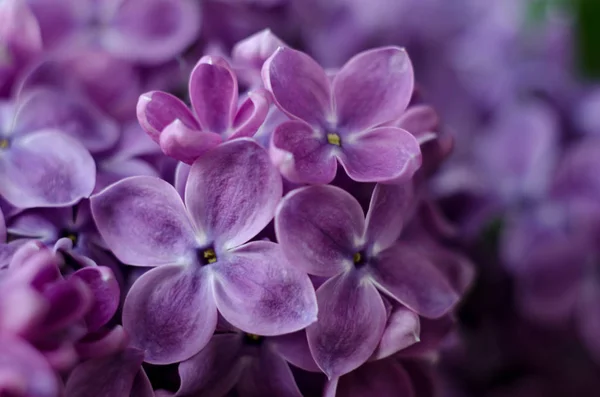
[202,263]
[216,114]
[344,118]
[322,230]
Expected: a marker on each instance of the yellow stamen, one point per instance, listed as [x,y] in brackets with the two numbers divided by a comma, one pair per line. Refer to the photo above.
[72,237]
[210,255]
[357,257]
[3,143]
[253,337]
[334,139]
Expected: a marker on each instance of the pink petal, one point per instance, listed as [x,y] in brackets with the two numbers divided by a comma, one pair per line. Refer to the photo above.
[251,114]
[185,144]
[156,110]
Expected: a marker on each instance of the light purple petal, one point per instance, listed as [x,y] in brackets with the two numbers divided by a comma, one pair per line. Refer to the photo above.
[46,169]
[268,375]
[301,154]
[43,224]
[299,86]
[215,369]
[24,371]
[319,228]
[105,288]
[351,322]
[421,120]
[156,110]
[383,378]
[8,250]
[381,154]
[373,88]
[257,291]
[402,330]
[152,31]
[20,30]
[170,314]
[142,386]
[107,376]
[232,192]
[214,94]
[102,343]
[110,172]
[388,211]
[251,114]
[409,277]
[181,176]
[185,144]
[256,49]
[294,349]
[2,228]
[143,221]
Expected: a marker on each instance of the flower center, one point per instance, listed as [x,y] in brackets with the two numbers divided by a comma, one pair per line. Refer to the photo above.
[359,259]
[334,139]
[4,143]
[207,256]
[253,340]
[70,235]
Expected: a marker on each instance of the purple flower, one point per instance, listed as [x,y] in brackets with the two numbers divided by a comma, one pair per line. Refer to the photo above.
[216,115]
[322,230]
[201,262]
[40,166]
[342,119]
[146,31]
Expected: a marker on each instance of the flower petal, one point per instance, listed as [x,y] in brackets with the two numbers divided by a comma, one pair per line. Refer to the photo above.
[382,378]
[251,114]
[373,88]
[299,86]
[108,376]
[294,349]
[351,322]
[143,221]
[388,210]
[301,154]
[250,54]
[105,288]
[381,154]
[152,31]
[46,169]
[421,120]
[215,369]
[7,251]
[409,277]
[319,228]
[402,330]
[170,314]
[156,110]
[24,371]
[185,144]
[232,192]
[268,375]
[2,228]
[214,94]
[257,291]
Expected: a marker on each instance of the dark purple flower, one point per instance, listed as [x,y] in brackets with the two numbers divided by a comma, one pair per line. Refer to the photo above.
[202,263]
[342,119]
[322,230]
[216,114]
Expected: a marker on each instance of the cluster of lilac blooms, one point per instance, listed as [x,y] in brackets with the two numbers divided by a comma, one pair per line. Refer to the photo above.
[386,198]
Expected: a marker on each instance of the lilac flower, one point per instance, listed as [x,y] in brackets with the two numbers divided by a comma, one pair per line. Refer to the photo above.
[146,31]
[120,375]
[322,230]
[342,119]
[185,135]
[40,166]
[201,261]
[7,249]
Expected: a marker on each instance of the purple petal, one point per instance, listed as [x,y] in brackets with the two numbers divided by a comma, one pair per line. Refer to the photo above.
[105,288]
[169,313]
[294,349]
[181,176]
[2,228]
[388,211]
[301,154]
[409,277]
[268,375]
[8,250]
[110,172]
[402,330]
[319,229]
[251,114]
[143,221]
[299,86]
[157,109]
[102,343]
[215,369]
[232,192]
[383,378]
[373,88]
[46,169]
[42,224]
[142,386]
[588,317]
[250,54]
[257,291]
[214,94]
[381,154]
[351,322]
[185,144]
[24,371]
[107,376]
[20,30]
[21,308]
[421,120]
[68,301]
[152,31]
[432,334]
